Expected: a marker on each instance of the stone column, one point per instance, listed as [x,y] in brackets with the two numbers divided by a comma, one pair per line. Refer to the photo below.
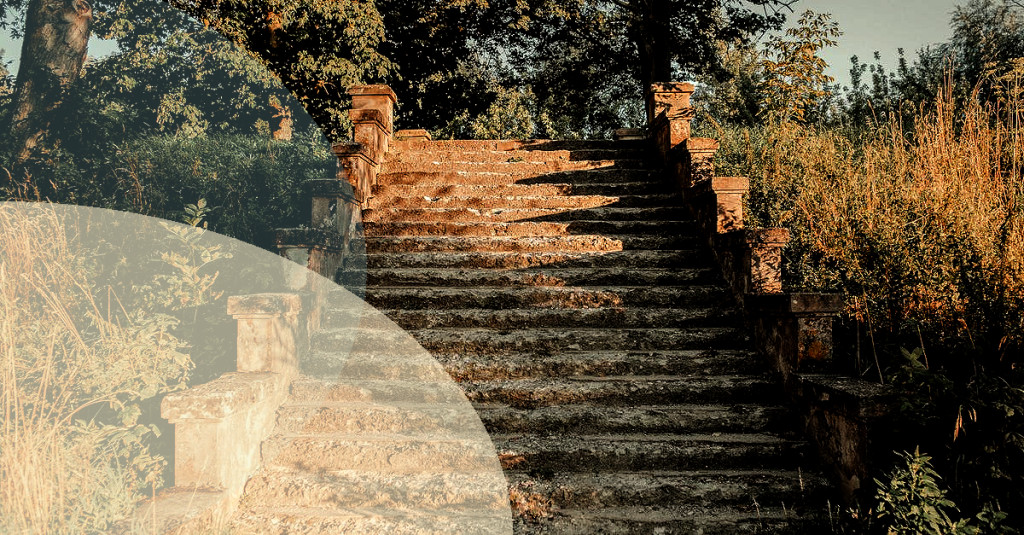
[669,114]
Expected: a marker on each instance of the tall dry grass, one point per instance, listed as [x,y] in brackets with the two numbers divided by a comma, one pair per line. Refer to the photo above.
[73,366]
[923,229]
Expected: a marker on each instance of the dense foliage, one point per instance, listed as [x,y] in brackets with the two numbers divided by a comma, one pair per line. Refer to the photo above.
[904,192]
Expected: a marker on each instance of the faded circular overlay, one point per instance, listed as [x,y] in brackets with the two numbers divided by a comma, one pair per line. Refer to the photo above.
[143,358]
[159,377]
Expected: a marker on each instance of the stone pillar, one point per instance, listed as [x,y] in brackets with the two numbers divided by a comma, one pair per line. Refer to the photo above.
[669,114]
[372,115]
[268,332]
[698,160]
[764,259]
[718,202]
[667,97]
[357,167]
[795,329]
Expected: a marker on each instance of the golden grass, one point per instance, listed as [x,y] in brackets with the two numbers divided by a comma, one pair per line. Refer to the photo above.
[72,458]
[921,229]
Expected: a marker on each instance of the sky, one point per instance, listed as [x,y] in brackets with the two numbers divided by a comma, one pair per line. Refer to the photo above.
[882,25]
[868,25]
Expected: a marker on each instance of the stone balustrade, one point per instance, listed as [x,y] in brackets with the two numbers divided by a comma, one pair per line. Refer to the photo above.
[792,330]
[220,425]
[372,116]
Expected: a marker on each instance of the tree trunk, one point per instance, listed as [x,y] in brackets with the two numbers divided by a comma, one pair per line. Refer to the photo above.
[652,34]
[52,55]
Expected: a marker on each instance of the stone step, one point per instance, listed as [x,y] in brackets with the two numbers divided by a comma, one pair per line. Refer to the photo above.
[566,364]
[526,228]
[502,215]
[389,453]
[465,341]
[513,319]
[581,242]
[384,191]
[510,144]
[540,277]
[373,363]
[515,167]
[575,260]
[437,419]
[382,521]
[370,365]
[444,177]
[706,488]
[380,391]
[549,202]
[586,418]
[625,390]
[414,298]
[645,452]
[350,489]
[682,519]
[450,155]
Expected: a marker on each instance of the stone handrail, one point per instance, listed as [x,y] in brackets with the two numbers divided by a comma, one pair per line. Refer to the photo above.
[792,330]
[219,426]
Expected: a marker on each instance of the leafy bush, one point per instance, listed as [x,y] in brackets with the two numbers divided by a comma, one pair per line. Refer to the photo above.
[251,184]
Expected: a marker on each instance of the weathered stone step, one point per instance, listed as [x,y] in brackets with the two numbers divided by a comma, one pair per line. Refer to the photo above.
[385,191]
[621,391]
[566,364]
[346,489]
[547,297]
[450,155]
[383,521]
[682,519]
[526,168]
[617,259]
[561,202]
[581,242]
[718,488]
[585,418]
[370,364]
[469,214]
[540,277]
[391,453]
[513,144]
[386,391]
[512,319]
[464,341]
[444,177]
[365,417]
[525,228]
[644,452]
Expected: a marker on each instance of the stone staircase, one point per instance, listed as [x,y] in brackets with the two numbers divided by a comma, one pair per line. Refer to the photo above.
[564,286]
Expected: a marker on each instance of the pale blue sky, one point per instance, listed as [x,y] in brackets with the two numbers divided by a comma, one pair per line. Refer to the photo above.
[868,25]
[882,25]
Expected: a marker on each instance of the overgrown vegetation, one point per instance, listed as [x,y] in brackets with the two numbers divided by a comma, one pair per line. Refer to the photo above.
[88,346]
[906,193]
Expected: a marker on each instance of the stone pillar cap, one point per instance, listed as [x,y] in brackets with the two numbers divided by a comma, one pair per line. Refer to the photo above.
[327,187]
[264,304]
[672,87]
[349,148]
[373,90]
[701,144]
